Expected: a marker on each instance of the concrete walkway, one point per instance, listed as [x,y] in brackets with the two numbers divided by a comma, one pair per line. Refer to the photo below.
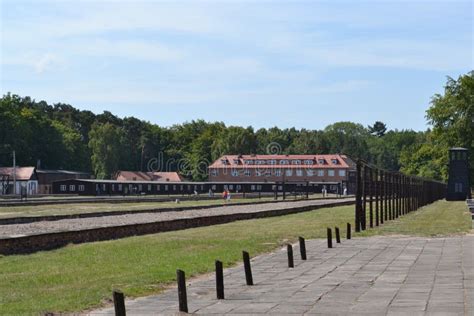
[363,276]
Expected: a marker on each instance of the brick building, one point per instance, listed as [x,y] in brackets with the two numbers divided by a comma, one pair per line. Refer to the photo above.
[274,168]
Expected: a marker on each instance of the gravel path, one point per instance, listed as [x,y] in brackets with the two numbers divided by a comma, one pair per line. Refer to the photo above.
[87,223]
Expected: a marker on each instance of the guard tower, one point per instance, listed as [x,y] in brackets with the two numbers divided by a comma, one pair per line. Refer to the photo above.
[458,181]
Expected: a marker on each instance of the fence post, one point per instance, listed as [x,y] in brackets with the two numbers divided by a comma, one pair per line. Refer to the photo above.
[382,197]
[390,196]
[329,233]
[385,193]
[289,249]
[302,248]
[371,193]
[119,303]
[182,297]
[358,206]
[219,280]
[247,267]
[348,231]
[377,197]
[396,195]
[364,202]
[338,235]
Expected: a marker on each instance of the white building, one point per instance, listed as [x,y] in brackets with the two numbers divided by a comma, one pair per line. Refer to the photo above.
[26,179]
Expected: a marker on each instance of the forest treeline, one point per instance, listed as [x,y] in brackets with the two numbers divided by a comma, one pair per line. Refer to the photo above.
[59,136]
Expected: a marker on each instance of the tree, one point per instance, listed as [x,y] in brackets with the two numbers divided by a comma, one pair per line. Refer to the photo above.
[452,118]
[106,147]
[378,129]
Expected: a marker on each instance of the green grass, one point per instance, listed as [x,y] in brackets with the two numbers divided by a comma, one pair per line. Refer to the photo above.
[79,277]
[440,218]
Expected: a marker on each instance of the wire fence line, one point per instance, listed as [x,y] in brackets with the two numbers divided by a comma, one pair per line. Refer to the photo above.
[387,195]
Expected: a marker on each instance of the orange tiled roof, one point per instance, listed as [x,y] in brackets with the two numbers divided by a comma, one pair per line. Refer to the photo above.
[22,173]
[148,176]
[238,161]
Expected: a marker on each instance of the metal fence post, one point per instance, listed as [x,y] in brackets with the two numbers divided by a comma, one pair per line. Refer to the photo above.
[358,206]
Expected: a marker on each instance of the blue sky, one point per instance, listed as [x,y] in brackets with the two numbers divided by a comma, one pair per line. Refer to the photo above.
[261,63]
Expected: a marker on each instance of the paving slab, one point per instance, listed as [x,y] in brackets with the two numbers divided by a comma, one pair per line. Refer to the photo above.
[362,276]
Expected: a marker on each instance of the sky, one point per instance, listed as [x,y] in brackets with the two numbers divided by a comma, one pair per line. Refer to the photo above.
[303,64]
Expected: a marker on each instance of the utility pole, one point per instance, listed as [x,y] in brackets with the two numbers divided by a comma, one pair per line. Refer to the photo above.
[14,173]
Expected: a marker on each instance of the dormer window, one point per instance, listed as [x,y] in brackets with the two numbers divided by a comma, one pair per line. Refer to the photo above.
[296,162]
[224,161]
[283,162]
[260,162]
[248,162]
[272,162]
[236,161]
[308,162]
[335,161]
[321,161]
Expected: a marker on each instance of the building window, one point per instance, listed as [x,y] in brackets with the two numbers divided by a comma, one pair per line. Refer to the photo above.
[260,162]
[104,187]
[72,188]
[289,172]
[238,187]
[213,187]
[342,173]
[120,187]
[248,162]
[259,187]
[149,187]
[247,173]
[82,188]
[278,172]
[140,187]
[335,161]
[331,173]
[174,187]
[299,173]
[272,162]
[231,186]
[252,187]
[113,187]
[297,162]
[458,187]
[62,188]
[309,172]
[283,162]
[308,162]
[235,173]
[320,173]
[321,161]
[258,173]
[166,187]
[214,172]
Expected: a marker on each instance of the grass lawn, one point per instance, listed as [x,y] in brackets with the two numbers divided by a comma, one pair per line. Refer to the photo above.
[78,277]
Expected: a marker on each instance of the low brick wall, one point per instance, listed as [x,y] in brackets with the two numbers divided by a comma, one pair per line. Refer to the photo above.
[32,219]
[34,243]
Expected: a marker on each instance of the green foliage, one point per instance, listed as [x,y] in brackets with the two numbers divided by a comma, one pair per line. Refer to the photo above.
[378,129]
[452,118]
[106,146]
